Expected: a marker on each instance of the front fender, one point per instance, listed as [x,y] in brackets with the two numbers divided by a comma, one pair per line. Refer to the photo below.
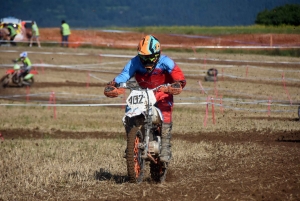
[129,112]
[10,71]
[133,112]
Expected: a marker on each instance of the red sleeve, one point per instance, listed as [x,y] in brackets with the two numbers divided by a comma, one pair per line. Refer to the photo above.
[178,75]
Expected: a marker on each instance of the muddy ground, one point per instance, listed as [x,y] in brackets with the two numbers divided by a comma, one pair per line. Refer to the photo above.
[279,172]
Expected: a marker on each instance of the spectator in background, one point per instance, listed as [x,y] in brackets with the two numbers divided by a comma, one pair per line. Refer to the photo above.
[65,33]
[12,33]
[23,28]
[27,31]
[4,35]
[35,34]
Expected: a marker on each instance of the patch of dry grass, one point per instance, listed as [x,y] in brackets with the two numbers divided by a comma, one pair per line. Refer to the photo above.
[64,169]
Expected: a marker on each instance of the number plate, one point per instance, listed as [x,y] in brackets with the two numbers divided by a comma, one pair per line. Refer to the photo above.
[139,99]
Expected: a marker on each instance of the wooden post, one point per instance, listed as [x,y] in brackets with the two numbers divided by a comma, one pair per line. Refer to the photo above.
[271,40]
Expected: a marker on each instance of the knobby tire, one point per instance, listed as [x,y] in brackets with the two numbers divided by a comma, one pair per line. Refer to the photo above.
[135,163]
[158,171]
[5,81]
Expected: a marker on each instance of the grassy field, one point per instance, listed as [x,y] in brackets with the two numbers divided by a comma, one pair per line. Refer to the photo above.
[217,30]
[248,148]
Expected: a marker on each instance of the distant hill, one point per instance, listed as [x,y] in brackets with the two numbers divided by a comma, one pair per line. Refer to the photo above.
[135,13]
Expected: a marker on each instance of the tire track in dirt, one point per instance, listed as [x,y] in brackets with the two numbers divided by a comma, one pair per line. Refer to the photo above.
[288,138]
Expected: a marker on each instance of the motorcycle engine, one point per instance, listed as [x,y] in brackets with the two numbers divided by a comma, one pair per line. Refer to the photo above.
[154,147]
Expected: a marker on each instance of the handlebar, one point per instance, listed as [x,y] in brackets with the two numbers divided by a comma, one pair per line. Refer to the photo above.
[134,85]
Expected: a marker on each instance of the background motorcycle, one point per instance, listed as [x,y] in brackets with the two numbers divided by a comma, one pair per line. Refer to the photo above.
[12,77]
[143,122]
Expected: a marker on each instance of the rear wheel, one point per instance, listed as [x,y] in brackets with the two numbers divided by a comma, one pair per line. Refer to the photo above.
[158,171]
[15,78]
[135,162]
[5,81]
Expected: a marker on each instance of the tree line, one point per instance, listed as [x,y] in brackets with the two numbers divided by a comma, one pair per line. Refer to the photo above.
[288,14]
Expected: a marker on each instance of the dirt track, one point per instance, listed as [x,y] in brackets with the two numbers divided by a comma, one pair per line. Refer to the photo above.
[219,183]
[208,188]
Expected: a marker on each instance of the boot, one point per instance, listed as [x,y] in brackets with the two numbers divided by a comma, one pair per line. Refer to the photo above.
[166,154]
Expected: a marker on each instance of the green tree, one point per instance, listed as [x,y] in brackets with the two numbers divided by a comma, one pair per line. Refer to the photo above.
[288,14]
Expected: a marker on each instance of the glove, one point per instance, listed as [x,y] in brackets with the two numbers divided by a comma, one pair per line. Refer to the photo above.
[173,89]
[14,60]
[112,83]
[111,91]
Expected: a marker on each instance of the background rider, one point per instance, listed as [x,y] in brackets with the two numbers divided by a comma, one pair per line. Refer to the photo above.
[26,64]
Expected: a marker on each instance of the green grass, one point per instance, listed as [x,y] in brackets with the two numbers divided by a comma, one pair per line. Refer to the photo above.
[267,52]
[218,30]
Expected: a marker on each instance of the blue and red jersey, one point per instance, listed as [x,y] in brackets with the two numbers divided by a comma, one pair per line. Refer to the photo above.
[165,72]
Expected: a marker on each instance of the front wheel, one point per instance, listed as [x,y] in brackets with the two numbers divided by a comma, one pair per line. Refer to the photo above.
[135,162]
[158,171]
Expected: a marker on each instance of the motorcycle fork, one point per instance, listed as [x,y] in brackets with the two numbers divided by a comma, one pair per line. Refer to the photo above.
[148,127]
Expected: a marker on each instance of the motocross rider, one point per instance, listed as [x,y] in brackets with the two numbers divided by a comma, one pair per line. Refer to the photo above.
[26,64]
[150,70]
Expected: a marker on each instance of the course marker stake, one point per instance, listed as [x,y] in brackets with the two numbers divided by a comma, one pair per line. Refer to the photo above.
[286,91]
[206,112]
[202,89]
[52,101]
[213,109]
[27,94]
[1,136]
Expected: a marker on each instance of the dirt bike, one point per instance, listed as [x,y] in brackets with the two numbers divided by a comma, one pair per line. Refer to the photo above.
[144,121]
[12,77]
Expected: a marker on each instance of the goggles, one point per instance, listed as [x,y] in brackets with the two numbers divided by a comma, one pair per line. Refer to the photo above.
[149,58]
